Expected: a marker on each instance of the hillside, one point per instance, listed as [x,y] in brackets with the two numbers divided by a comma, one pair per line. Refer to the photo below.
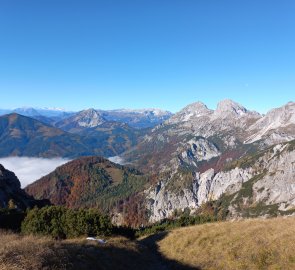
[95,128]
[254,244]
[35,253]
[24,136]
[249,244]
[89,182]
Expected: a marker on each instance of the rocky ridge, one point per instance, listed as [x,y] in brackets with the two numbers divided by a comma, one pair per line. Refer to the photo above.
[229,127]
[268,177]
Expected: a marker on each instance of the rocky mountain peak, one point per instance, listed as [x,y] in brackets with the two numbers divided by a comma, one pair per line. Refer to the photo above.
[280,117]
[191,111]
[279,123]
[197,107]
[89,118]
[229,106]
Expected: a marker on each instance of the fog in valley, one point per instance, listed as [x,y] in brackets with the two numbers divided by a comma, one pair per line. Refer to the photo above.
[30,169]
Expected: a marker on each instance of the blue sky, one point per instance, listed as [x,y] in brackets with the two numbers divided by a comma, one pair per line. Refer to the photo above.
[146,53]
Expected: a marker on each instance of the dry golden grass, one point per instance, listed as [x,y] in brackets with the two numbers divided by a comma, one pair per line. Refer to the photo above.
[249,244]
[116,174]
[34,253]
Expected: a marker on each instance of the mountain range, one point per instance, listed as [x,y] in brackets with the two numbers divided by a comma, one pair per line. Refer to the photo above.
[141,118]
[197,134]
[237,159]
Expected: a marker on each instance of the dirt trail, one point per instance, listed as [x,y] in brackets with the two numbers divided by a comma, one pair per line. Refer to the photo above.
[159,262]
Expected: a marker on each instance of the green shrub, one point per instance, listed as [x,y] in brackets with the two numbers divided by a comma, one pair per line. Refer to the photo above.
[167,224]
[60,222]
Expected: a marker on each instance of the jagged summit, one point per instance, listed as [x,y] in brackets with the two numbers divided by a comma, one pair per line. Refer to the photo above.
[230,106]
[197,108]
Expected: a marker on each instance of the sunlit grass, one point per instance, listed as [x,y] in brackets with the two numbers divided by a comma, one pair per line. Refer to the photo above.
[248,244]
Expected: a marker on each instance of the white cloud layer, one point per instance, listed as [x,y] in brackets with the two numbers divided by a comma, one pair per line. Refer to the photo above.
[29,169]
[117,159]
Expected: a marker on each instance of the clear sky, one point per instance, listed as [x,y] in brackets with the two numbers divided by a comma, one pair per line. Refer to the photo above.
[146,53]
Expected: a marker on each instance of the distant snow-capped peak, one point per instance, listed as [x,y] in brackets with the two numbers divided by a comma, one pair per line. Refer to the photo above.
[52,109]
[154,111]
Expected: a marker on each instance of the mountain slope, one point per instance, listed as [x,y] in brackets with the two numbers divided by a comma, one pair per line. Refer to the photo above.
[24,136]
[88,182]
[256,185]
[90,124]
[85,119]
[254,244]
[276,126]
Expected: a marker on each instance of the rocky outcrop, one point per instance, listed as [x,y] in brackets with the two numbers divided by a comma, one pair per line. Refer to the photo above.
[271,175]
[10,189]
[278,125]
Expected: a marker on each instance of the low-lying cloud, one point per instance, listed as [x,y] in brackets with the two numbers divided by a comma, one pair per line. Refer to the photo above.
[29,169]
[117,159]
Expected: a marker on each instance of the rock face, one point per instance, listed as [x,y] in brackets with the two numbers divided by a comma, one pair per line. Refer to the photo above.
[268,178]
[10,189]
[197,150]
[276,126]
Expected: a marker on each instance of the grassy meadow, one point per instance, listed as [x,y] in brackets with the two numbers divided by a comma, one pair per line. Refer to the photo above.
[246,244]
